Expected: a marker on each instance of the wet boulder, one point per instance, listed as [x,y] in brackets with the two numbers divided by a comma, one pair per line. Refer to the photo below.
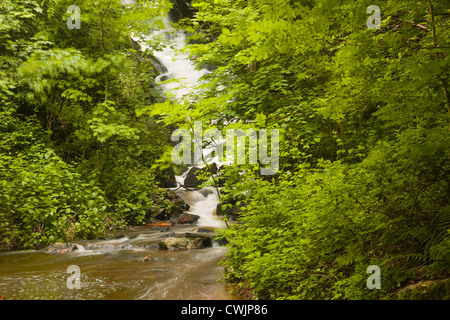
[101,246]
[206,238]
[173,243]
[180,9]
[166,178]
[193,178]
[214,168]
[157,213]
[60,247]
[176,200]
[176,207]
[187,218]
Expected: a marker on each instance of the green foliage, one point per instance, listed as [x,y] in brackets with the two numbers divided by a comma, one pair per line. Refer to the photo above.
[138,194]
[43,200]
[312,235]
[75,159]
[364,118]
[424,290]
[364,133]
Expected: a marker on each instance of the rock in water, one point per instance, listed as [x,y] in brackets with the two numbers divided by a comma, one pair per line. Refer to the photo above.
[166,178]
[177,207]
[187,218]
[173,243]
[206,238]
[59,247]
[147,259]
[192,179]
[196,243]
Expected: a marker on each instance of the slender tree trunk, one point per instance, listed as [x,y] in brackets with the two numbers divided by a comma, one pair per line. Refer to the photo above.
[105,160]
[433,34]
[216,186]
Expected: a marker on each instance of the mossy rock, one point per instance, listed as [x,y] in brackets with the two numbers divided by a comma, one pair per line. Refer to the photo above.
[423,290]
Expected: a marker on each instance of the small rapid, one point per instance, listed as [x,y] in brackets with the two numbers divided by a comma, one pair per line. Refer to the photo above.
[129,265]
[203,203]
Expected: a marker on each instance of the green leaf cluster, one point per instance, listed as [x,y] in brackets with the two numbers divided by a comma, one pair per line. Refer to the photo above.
[364,116]
[75,158]
[44,200]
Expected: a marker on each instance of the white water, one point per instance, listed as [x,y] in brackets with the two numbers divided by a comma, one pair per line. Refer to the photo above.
[203,203]
[183,80]
[180,68]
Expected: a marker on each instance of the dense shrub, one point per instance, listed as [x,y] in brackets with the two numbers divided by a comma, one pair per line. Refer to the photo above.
[42,200]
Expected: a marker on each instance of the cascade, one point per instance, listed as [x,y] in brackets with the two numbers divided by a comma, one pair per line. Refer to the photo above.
[181,68]
[179,65]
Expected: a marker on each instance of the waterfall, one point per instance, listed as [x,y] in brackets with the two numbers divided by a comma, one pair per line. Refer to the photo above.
[203,203]
[180,68]
[184,78]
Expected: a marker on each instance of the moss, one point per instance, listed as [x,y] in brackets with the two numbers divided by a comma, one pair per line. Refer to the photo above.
[424,290]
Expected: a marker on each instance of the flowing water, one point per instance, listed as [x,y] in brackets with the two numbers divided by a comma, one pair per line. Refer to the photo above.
[112,269]
[180,68]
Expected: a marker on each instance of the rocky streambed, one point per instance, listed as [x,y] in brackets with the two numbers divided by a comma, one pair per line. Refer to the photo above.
[159,238]
[155,261]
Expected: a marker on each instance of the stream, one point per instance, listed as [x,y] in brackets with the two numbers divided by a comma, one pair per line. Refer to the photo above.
[113,268]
